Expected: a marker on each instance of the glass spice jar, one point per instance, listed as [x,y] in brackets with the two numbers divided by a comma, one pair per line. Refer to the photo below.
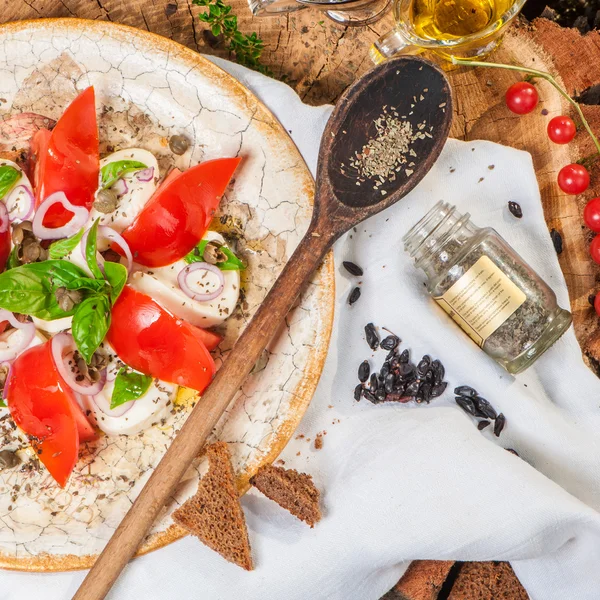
[486,287]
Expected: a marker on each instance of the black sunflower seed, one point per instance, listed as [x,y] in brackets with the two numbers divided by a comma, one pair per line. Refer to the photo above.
[499,424]
[466,404]
[385,370]
[439,371]
[512,451]
[557,241]
[369,396]
[466,391]
[482,425]
[380,395]
[484,408]
[406,369]
[390,342]
[423,365]
[371,335]
[389,383]
[354,296]
[438,389]
[391,354]
[373,383]
[352,268]
[405,356]
[412,388]
[425,391]
[358,391]
[364,370]
[515,209]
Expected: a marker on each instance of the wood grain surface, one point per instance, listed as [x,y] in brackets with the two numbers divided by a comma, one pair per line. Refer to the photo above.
[320,59]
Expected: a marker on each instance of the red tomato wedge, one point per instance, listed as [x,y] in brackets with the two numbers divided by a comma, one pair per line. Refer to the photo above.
[177,216]
[44,407]
[154,342]
[67,158]
[209,338]
[4,248]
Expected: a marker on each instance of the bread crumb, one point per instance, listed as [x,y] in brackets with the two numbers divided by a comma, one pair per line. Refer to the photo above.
[297,453]
[281,461]
[318,441]
[300,436]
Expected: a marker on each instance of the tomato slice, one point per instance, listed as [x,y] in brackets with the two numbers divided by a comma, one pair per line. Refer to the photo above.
[209,338]
[67,158]
[178,214]
[42,405]
[154,342]
[4,248]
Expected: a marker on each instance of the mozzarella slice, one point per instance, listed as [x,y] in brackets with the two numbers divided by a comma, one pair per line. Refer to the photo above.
[138,193]
[18,197]
[161,285]
[142,413]
[52,327]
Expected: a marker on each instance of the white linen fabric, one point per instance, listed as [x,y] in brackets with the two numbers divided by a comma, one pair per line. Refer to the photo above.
[402,482]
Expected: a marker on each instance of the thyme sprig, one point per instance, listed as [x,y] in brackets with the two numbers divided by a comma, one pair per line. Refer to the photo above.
[247,48]
[532,73]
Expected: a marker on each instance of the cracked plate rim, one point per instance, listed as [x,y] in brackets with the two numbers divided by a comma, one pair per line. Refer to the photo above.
[326,275]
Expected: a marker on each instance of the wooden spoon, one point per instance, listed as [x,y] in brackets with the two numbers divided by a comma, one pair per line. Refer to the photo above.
[408,89]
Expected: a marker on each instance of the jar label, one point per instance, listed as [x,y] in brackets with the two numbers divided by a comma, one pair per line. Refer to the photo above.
[481,300]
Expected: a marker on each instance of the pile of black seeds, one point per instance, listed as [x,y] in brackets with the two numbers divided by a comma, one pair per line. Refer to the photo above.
[399,380]
[355,271]
[476,406]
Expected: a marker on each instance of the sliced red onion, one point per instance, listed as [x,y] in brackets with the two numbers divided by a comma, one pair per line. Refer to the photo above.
[20,203]
[110,234]
[80,216]
[4,219]
[63,346]
[18,130]
[6,363]
[27,329]
[145,175]
[200,266]
[104,406]
[120,187]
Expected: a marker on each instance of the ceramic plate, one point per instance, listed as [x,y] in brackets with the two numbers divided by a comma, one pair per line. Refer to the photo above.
[149,88]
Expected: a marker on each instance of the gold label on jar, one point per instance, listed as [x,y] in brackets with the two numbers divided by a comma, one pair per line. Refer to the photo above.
[481,300]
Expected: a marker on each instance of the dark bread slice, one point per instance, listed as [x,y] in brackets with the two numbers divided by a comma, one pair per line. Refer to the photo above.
[214,515]
[293,491]
[423,580]
[487,581]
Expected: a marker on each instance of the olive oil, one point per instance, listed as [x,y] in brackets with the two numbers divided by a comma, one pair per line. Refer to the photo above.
[451,19]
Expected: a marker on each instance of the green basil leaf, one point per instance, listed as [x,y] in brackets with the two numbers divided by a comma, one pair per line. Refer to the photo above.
[2,403]
[116,275]
[90,251]
[8,177]
[90,324]
[29,289]
[61,248]
[13,259]
[233,263]
[112,172]
[87,283]
[129,385]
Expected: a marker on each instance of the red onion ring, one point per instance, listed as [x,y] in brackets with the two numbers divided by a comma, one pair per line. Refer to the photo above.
[12,203]
[110,234]
[120,187]
[28,330]
[80,216]
[145,175]
[6,363]
[65,341]
[104,406]
[197,266]
[4,218]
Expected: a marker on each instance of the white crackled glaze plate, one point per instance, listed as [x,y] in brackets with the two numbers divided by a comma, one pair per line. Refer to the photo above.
[148,88]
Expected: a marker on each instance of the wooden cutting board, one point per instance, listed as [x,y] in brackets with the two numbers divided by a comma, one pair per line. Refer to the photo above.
[320,59]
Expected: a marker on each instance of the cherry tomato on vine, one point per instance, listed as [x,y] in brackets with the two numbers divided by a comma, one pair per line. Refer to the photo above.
[591,214]
[561,130]
[595,251]
[573,179]
[521,98]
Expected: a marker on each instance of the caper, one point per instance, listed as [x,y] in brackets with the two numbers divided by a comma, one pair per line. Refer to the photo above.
[106,201]
[8,459]
[213,254]
[179,144]
[21,231]
[67,299]
[30,250]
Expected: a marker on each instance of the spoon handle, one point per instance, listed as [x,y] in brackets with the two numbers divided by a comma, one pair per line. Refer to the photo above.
[189,441]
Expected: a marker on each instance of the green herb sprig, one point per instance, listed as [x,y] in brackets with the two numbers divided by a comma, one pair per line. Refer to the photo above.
[247,48]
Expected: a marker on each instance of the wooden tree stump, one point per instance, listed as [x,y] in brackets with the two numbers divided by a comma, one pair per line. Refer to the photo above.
[320,59]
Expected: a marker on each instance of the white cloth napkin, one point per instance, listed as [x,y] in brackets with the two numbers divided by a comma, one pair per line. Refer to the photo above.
[412,482]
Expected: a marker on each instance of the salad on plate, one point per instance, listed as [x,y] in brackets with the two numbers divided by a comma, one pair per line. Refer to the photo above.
[110,281]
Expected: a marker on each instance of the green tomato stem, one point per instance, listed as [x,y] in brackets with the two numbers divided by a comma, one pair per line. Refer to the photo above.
[534,73]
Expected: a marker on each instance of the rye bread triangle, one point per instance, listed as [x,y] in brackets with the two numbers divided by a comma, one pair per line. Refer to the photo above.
[293,491]
[214,515]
